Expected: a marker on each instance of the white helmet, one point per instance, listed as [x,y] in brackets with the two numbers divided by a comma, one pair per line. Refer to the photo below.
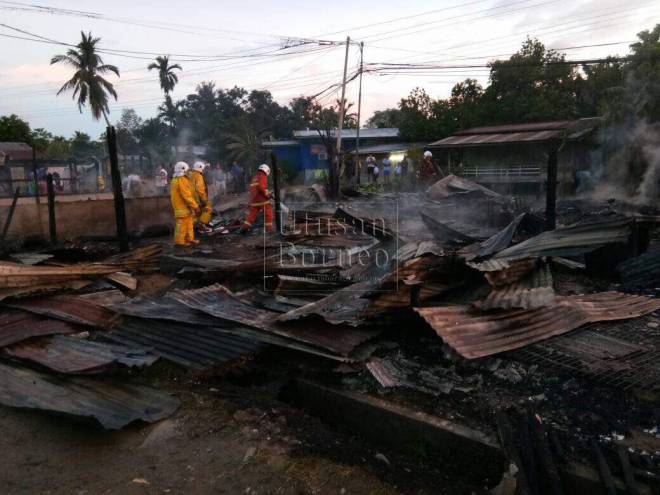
[428,154]
[264,168]
[199,166]
[180,169]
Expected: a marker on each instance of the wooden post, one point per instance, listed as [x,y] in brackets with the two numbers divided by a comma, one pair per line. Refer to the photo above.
[10,215]
[276,187]
[52,227]
[120,212]
[551,189]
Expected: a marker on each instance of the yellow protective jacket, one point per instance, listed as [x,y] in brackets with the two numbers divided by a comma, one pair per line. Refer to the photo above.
[198,187]
[181,195]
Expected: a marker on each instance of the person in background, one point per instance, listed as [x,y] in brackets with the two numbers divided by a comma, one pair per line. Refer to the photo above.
[237,176]
[132,186]
[375,173]
[371,163]
[397,176]
[259,200]
[199,192]
[387,170]
[220,179]
[184,205]
[427,173]
[161,180]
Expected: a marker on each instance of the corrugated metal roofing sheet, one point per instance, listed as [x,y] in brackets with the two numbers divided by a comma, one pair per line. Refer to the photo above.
[169,309]
[641,272]
[458,141]
[518,133]
[16,325]
[69,308]
[532,291]
[219,302]
[366,133]
[78,356]
[113,405]
[475,334]
[576,239]
[193,347]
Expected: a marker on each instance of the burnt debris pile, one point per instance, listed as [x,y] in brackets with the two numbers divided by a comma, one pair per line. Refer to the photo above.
[548,339]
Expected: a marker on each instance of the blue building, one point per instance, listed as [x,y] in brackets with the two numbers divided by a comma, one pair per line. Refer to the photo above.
[306,155]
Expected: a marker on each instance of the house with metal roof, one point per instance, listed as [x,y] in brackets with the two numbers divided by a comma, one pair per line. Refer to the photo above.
[306,153]
[514,157]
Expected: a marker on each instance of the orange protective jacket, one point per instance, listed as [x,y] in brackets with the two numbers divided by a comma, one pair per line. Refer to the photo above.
[259,189]
[182,198]
[198,187]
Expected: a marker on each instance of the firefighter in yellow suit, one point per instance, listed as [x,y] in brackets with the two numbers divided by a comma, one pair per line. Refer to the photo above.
[184,205]
[196,176]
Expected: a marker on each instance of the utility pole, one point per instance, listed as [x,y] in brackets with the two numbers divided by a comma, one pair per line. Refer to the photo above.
[357,137]
[342,105]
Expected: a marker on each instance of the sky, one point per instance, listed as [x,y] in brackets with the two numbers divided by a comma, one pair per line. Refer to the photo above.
[247,43]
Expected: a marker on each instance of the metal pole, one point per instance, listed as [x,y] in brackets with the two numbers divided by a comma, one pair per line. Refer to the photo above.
[335,175]
[52,227]
[357,137]
[276,187]
[120,212]
[10,215]
[551,189]
[34,172]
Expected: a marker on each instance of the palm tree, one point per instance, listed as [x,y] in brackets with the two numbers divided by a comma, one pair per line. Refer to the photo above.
[168,78]
[87,82]
[245,145]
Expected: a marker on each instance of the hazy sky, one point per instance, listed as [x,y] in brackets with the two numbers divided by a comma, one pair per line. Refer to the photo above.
[420,31]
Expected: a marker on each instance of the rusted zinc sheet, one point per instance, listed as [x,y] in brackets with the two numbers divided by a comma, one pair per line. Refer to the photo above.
[78,356]
[641,272]
[167,309]
[495,138]
[445,235]
[578,239]
[475,334]
[17,276]
[105,297]
[16,325]
[69,308]
[524,225]
[112,404]
[532,291]
[221,303]
[513,272]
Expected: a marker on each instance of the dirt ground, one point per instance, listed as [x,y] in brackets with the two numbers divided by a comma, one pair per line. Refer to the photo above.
[224,438]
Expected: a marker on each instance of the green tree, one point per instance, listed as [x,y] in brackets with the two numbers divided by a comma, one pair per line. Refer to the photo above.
[12,128]
[416,117]
[532,85]
[88,83]
[245,145]
[127,128]
[82,146]
[465,105]
[390,117]
[166,75]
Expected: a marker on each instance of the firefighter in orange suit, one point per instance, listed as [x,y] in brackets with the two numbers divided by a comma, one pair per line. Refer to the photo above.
[184,205]
[196,176]
[259,200]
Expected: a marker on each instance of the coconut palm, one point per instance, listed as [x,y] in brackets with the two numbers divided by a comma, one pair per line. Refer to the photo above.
[168,78]
[87,83]
[245,145]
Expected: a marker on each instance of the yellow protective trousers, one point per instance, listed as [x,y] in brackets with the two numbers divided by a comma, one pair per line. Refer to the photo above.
[184,233]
